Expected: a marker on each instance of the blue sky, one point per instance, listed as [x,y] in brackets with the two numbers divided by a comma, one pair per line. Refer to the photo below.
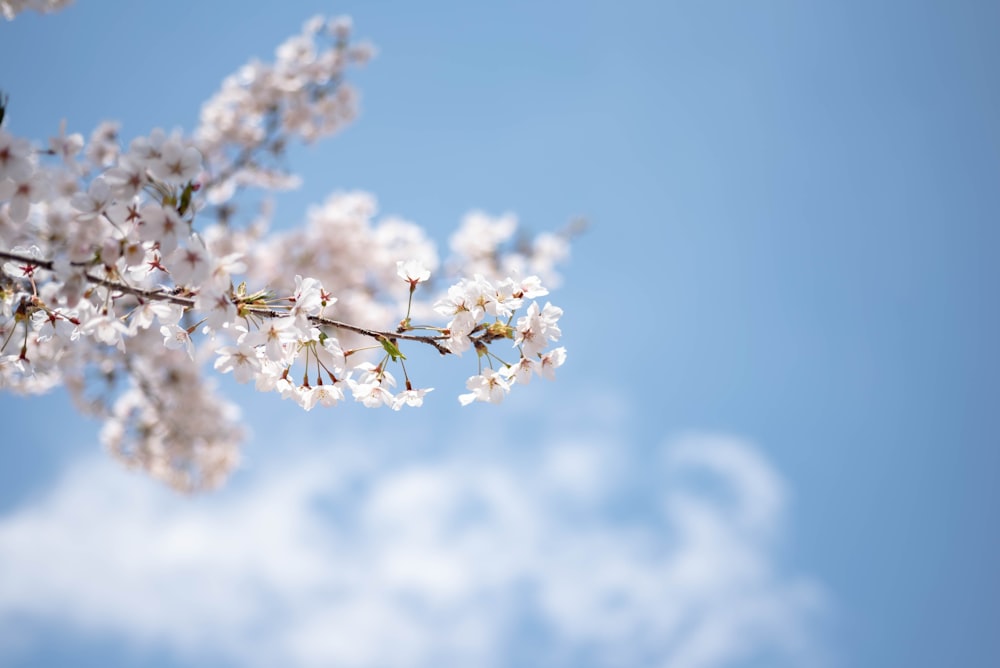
[793,215]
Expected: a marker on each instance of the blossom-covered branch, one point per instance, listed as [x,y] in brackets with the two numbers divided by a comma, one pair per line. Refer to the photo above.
[125,272]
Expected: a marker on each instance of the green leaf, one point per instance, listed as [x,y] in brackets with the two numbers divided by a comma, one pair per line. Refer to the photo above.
[185,198]
[391,349]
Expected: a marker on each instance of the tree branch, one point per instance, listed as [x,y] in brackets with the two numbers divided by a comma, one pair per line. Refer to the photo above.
[189,302]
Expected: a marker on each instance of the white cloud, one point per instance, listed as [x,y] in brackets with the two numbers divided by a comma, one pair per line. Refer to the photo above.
[583,553]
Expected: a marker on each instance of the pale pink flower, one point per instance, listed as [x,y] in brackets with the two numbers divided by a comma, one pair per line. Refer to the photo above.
[331,355]
[276,335]
[307,299]
[531,287]
[412,271]
[15,157]
[218,308]
[459,329]
[142,316]
[463,297]
[176,163]
[22,193]
[550,361]
[325,395]
[489,386]
[191,264]
[160,224]
[177,338]
[104,328]
[65,146]
[371,373]
[520,372]
[501,302]
[371,394]
[145,151]
[94,202]
[537,328]
[225,267]
[126,178]
[23,269]
[52,325]
[102,149]
[410,398]
[241,359]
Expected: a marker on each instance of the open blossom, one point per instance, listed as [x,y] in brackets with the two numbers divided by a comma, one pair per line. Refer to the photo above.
[102,150]
[53,326]
[130,267]
[459,330]
[536,329]
[190,264]
[22,193]
[324,395]
[372,388]
[489,386]
[530,287]
[126,178]
[143,315]
[177,338]
[520,372]
[224,268]
[277,336]
[372,394]
[175,163]
[550,361]
[27,268]
[307,299]
[105,328]
[161,224]
[468,296]
[371,373]
[65,146]
[330,355]
[241,359]
[269,375]
[145,151]
[500,301]
[16,161]
[218,308]
[94,202]
[412,271]
[410,398]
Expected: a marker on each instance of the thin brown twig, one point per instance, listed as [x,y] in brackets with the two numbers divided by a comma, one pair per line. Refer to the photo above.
[160,295]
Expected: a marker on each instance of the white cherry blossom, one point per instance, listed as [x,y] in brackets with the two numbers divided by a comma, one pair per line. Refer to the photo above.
[93,203]
[22,193]
[489,386]
[410,397]
[16,157]
[175,163]
[550,361]
[412,271]
[177,338]
[149,268]
[242,359]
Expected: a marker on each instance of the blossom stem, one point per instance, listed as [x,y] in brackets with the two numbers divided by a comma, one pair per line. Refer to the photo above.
[189,302]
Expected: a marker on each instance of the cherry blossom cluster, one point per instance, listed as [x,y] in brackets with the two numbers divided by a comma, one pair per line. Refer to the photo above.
[125,277]
[302,94]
